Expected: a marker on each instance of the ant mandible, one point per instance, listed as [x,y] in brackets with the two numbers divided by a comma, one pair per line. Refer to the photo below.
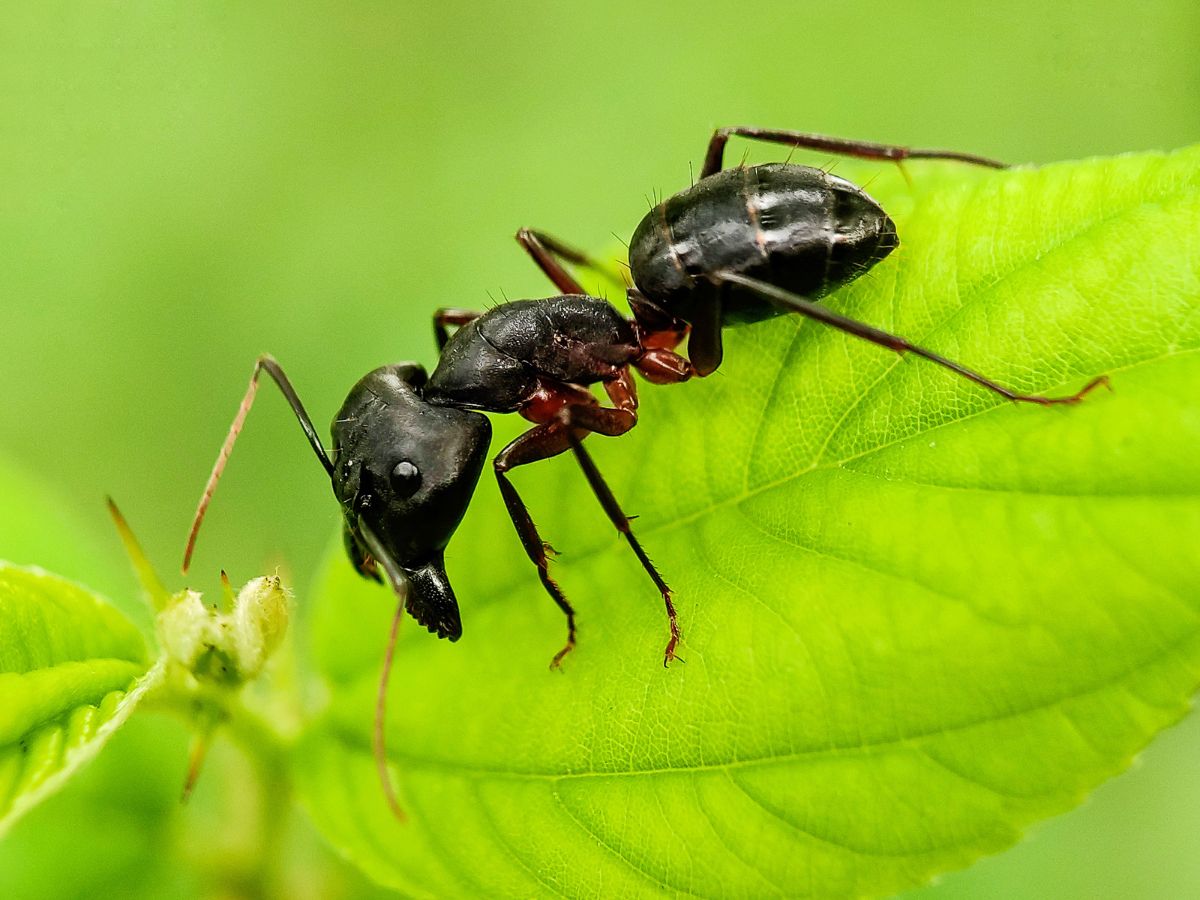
[408,448]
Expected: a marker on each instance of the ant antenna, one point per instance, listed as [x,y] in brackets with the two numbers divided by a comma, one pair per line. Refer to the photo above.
[378,738]
[265,362]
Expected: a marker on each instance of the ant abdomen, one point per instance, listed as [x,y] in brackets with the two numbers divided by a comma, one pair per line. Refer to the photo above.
[796,227]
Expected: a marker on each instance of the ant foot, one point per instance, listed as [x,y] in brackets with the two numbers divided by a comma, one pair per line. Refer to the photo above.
[1074,398]
[556,663]
[669,656]
[1087,389]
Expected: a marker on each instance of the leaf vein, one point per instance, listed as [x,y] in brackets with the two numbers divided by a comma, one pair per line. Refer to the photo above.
[834,750]
[617,853]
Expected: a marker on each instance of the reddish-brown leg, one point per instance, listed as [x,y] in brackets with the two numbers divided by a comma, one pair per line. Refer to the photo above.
[622,391]
[567,414]
[615,422]
[657,329]
[547,251]
[539,443]
[447,316]
[841,146]
[664,367]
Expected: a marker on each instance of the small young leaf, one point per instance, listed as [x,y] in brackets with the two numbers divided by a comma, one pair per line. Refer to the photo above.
[916,618]
[69,670]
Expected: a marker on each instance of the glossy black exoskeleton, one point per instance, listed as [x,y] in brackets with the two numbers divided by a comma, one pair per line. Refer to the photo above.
[808,232]
[752,242]
[408,448]
[406,470]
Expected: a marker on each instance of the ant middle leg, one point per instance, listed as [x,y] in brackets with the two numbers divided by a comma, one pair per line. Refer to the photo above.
[665,367]
[842,146]
[550,253]
[657,328]
[790,302]
[450,316]
[577,416]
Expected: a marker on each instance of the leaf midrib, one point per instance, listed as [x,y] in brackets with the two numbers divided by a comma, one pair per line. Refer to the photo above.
[351,738]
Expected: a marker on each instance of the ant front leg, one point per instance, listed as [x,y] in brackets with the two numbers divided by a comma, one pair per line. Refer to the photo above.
[841,146]
[536,444]
[571,423]
[660,364]
[448,316]
[789,302]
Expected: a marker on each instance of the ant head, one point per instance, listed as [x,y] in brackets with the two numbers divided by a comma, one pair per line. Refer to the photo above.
[407,470]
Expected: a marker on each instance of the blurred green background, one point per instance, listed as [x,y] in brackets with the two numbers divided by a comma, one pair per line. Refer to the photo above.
[188,185]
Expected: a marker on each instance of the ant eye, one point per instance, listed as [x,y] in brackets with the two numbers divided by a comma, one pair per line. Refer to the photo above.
[406,478]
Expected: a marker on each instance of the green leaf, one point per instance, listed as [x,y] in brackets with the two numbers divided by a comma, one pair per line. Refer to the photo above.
[69,668]
[916,618]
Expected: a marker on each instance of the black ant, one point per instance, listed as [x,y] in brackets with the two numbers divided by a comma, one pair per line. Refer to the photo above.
[739,246]
[753,242]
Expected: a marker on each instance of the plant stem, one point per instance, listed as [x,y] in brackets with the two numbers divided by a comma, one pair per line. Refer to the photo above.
[265,745]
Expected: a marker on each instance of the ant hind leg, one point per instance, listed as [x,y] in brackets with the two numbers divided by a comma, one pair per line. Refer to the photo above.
[790,302]
[842,146]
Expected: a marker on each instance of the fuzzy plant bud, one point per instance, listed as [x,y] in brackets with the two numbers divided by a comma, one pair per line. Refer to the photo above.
[187,629]
[258,623]
[225,649]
